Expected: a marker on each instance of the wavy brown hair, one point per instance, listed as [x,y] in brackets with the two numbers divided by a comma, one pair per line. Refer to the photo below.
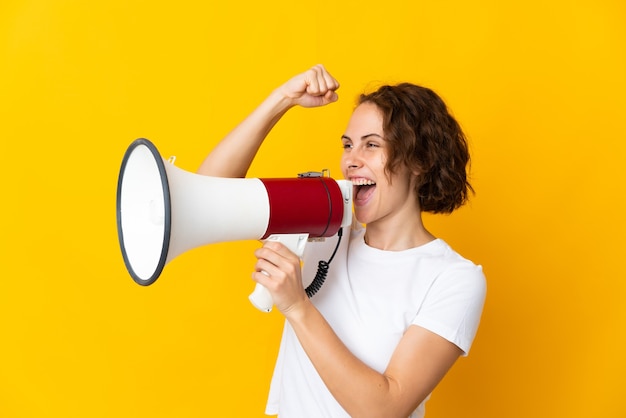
[424,137]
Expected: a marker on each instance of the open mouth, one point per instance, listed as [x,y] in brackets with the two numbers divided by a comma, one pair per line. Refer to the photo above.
[363,189]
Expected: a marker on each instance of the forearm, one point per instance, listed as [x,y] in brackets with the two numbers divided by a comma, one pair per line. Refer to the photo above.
[359,389]
[233,156]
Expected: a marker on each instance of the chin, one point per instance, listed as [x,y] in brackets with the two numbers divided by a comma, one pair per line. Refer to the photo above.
[361,216]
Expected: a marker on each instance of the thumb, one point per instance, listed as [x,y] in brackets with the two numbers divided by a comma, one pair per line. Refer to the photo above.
[331,96]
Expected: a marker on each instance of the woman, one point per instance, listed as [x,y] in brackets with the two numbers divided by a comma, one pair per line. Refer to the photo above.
[399,305]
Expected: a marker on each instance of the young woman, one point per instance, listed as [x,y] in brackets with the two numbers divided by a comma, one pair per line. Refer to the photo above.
[399,306]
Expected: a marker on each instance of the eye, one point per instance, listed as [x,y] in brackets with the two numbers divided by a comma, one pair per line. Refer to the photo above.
[346,145]
[372,145]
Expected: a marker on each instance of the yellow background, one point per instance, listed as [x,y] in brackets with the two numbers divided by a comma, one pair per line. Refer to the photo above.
[539,86]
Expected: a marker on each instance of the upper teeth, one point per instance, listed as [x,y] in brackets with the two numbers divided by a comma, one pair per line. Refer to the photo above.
[363,182]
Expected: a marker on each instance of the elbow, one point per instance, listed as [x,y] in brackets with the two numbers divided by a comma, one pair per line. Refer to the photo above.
[216,170]
[392,402]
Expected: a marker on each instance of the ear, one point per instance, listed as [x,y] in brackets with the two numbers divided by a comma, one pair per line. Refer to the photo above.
[416,178]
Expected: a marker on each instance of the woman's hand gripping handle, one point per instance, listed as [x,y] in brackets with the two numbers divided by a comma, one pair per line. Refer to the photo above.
[261,297]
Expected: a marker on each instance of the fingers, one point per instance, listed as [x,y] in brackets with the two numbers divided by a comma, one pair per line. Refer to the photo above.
[320,83]
[312,88]
[279,270]
[273,258]
[276,264]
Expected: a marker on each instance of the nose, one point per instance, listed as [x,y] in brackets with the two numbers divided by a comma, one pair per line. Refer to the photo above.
[351,163]
[352,159]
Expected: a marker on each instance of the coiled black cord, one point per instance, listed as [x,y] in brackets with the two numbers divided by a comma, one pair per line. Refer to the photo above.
[322,270]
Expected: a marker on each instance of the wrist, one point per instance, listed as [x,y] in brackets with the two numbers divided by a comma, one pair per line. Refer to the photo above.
[281,100]
[298,312]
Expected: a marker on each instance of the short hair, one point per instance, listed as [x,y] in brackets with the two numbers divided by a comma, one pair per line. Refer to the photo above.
[424,137]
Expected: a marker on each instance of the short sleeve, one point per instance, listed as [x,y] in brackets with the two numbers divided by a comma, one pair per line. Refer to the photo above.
[454,303]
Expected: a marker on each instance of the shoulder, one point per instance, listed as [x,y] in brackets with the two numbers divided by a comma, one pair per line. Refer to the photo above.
[458,266]
[457,277]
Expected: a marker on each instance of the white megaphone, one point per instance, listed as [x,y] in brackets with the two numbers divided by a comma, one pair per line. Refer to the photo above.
[163,211]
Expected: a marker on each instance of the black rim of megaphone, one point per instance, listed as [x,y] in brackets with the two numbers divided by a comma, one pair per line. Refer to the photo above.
[167,218]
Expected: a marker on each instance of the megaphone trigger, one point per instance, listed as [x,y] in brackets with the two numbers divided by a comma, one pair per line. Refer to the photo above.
[295,242]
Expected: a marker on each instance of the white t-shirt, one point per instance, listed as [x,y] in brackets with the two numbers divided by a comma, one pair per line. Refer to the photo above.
[370,298]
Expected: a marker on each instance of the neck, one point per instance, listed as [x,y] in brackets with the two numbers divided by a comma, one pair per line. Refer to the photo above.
[397,236]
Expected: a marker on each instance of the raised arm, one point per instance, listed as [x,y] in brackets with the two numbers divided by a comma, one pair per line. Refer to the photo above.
[233,155]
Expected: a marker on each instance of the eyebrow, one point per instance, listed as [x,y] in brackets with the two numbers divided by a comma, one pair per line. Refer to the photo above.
[363,137]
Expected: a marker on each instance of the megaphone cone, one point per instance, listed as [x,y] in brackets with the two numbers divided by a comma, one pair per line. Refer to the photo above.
[163,211]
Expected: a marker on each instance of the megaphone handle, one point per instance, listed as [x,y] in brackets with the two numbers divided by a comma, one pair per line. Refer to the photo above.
[261,297]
